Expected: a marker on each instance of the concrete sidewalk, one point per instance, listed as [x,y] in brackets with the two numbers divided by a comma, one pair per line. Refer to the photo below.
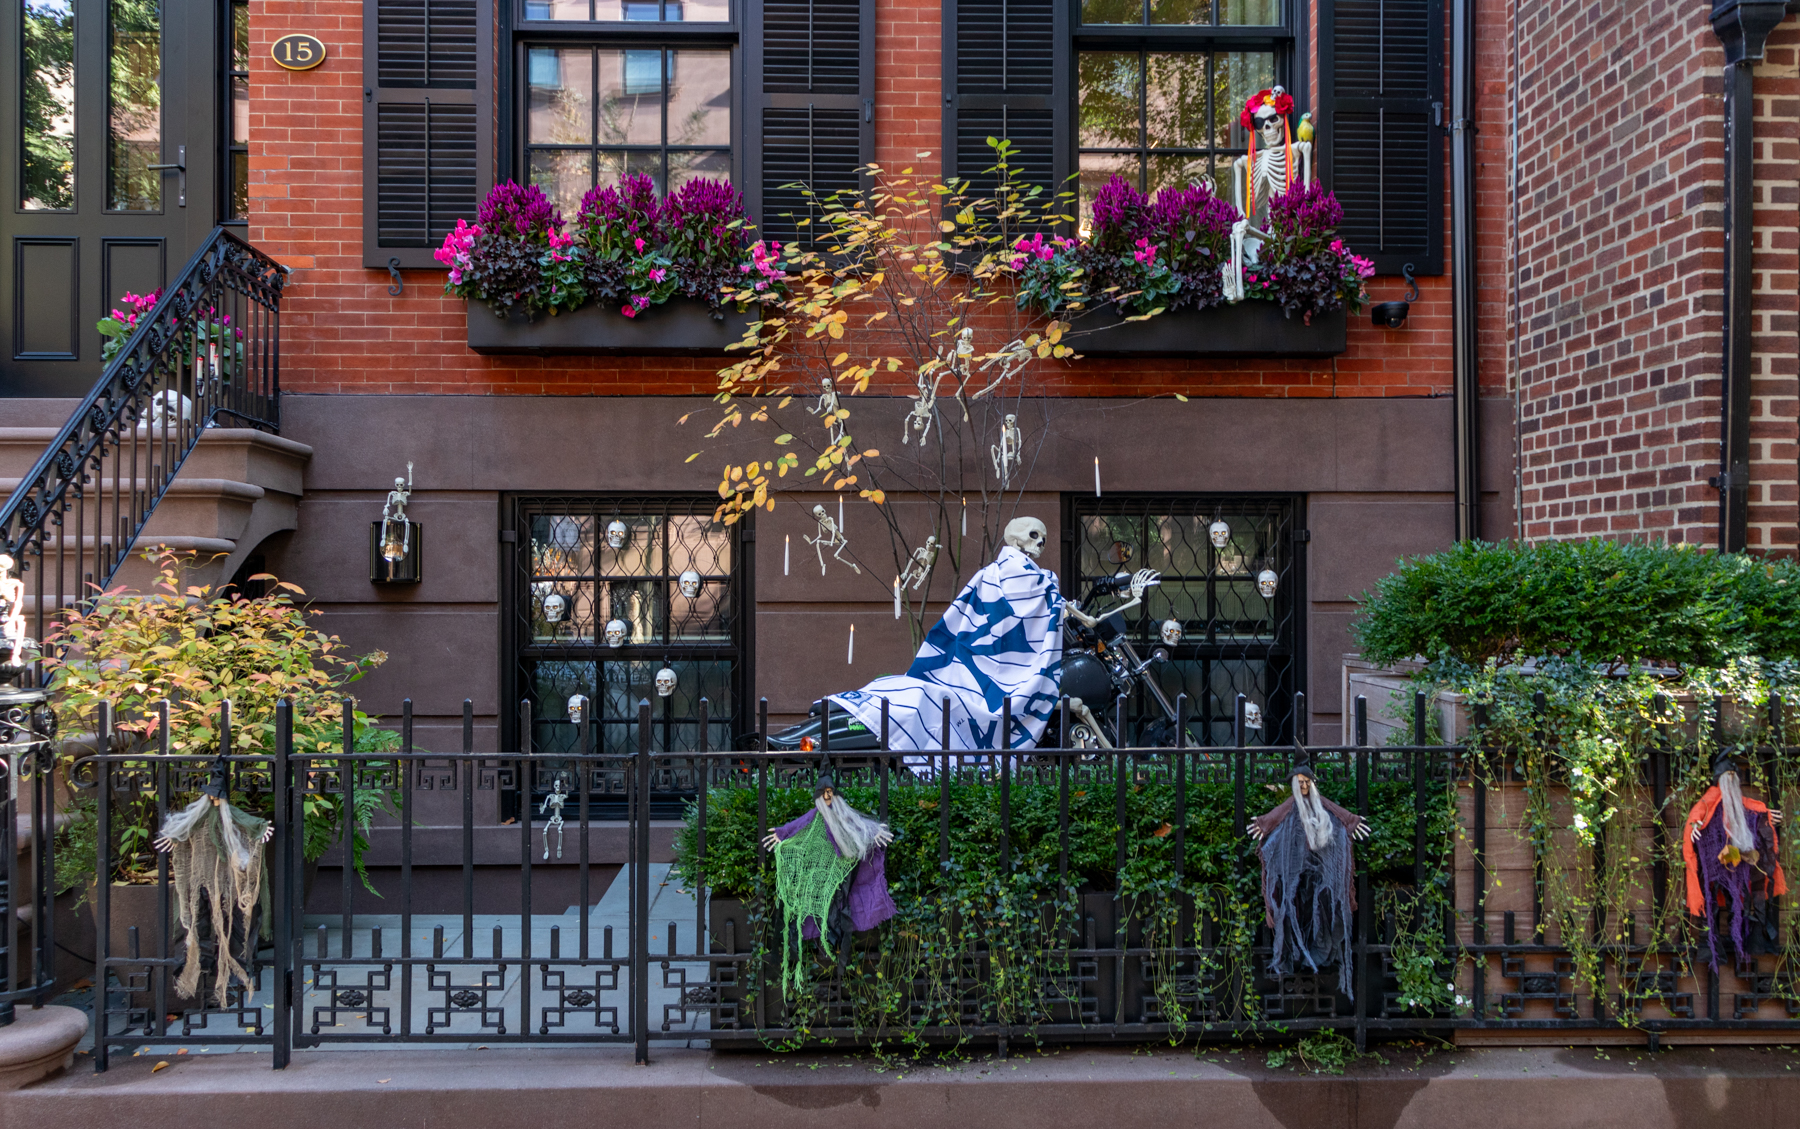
[1535,1088]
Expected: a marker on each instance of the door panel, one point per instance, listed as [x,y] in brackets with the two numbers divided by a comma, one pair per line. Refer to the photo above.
[93,95]
[47,282]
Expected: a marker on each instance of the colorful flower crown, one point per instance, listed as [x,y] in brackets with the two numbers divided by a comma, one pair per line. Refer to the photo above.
[1274,99]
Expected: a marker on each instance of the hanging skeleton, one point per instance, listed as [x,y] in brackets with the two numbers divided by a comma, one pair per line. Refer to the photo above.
[215,856]
[830,537]
[917,569]
[553,804]
[1007,453]
[1010,359]
[924,410]
[1733,867]
[1309,878]
[827,408]
[830,878]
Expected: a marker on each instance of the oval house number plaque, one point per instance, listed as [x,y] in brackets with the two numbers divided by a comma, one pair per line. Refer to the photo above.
[298,52]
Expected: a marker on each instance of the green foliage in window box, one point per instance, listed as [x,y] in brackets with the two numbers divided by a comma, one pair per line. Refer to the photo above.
[1606,601]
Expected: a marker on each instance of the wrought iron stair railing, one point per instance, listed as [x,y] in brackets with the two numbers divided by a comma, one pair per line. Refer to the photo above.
[208,351]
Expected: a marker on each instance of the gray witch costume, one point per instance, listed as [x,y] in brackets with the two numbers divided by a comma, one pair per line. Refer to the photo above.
[1309,891]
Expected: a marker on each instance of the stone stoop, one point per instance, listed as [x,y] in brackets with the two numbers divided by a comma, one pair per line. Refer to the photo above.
[238,487]
[1539,1088]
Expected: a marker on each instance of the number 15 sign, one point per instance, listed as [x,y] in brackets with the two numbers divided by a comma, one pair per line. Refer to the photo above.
[298,52]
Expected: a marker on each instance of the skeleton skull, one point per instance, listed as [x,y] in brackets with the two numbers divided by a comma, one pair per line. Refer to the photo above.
[616,534]
[554,606]
[577,703]
[1171,631]
[689,583]
[665,682]
[1252,716]
[617,631]
[1026,534]
[1219,532]
[1267,582]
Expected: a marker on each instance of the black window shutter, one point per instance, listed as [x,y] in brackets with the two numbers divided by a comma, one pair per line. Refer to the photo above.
[1382,144]
[428,124]
[812,107]
[1005,62]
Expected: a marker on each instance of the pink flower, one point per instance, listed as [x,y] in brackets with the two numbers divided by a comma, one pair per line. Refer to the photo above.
[455,277]
[1145,253]
[1364,267]
[629,311]
[658,274]
[639,244]
[1337,245]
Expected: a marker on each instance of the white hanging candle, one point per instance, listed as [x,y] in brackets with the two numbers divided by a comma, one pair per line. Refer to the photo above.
[1096,476]
[840,513]
[787,548]
[850,657]
[965,531]
[896,597]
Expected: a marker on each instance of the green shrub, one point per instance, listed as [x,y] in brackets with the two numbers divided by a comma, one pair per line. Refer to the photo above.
[1603,600]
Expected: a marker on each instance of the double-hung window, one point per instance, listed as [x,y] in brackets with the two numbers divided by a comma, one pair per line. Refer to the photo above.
[610,88]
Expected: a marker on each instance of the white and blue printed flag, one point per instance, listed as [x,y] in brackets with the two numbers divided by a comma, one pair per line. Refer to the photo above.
[1000,639]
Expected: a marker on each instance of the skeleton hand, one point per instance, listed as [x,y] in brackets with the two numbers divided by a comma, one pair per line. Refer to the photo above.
[1142,579]
[884,836]
[1775,815]
[1696,835]
[771,840]
[1254,830]
[1363,831]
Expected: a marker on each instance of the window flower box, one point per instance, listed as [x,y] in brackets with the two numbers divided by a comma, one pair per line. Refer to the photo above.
[1251,328]
[679,327]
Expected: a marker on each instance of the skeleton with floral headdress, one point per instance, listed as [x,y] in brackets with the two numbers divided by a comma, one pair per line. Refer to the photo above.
[1733,866]
[1309,877]
[1274,164]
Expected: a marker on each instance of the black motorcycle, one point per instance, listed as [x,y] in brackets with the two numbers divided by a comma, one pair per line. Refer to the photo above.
[1099,665]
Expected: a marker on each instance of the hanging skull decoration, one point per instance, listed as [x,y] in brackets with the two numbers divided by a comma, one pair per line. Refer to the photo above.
[689,583]
[1252,716]
[577,703]
[1171,631]
[1219,532]
[665,682]
[617,631]
[616,534]
[1267,582]
[554,607]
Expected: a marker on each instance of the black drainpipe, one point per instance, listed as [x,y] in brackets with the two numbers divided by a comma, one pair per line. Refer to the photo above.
[1465,384]
[1743,26]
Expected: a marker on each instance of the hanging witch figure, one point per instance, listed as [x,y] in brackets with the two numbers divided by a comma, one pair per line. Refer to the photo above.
[1309,877]
[830,879]
[1733,866]
[216,860]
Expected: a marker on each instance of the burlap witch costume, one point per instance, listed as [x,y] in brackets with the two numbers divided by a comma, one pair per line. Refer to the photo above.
[830,878]
[216,859]
[1309,878]
[1733,866]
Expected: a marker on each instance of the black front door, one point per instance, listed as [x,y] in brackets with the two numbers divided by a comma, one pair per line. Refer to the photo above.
[111,112]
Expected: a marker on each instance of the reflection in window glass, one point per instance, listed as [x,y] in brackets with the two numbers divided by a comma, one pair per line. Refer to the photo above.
[1164,117]
[237,138]
[1260,13]
[134,107]
[630,11]
[47,106]
[597,114]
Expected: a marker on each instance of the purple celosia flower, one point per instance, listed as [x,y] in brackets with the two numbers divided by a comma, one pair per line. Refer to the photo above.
[523,206]
[1304,210]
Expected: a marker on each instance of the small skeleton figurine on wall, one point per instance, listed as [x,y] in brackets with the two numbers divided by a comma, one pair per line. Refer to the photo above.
[396,531]
[830,537]
[553,804]
[1007,453]
[923,558]
[1010,359]
[918,421]
[827,408]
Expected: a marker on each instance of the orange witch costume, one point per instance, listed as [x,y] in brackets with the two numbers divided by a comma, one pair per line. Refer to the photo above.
[1733,867]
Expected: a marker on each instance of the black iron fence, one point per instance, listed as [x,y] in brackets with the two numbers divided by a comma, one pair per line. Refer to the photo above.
[1044,894]
[208,352]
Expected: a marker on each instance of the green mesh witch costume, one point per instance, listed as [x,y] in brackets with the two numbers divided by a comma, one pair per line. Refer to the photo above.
[830,879]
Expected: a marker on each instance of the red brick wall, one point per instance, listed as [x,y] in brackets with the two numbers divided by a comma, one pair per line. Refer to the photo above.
[1620,248]
[342,332]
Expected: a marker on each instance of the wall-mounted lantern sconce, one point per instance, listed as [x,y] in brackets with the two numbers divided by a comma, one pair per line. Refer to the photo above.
[394,542]
[1392,315]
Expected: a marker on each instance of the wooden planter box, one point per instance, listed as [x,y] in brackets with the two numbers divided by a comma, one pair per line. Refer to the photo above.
[1251,328]
[679,327]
